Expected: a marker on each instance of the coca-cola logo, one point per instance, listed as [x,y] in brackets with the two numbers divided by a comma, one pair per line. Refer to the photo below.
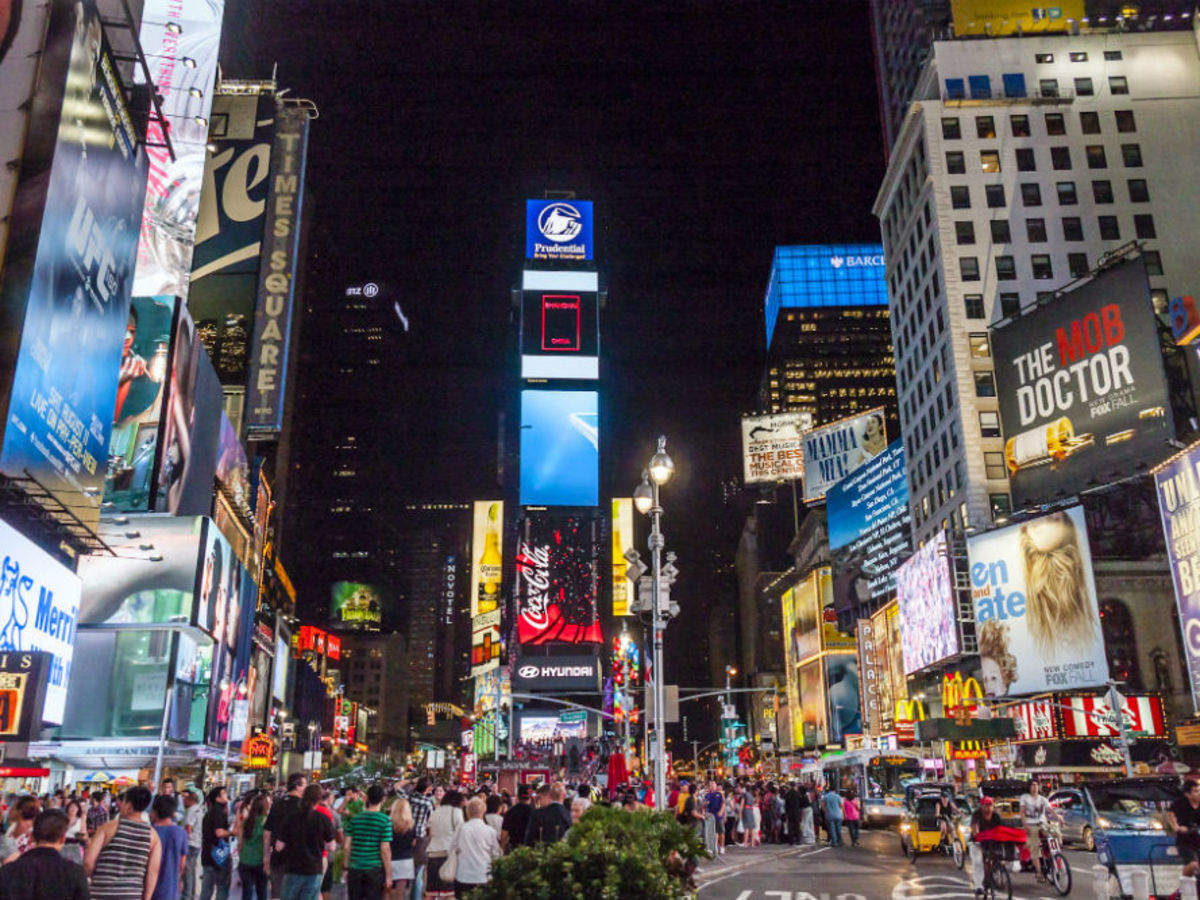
[534,563]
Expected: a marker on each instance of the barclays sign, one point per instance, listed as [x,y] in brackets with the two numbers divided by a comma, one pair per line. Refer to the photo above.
[852,262]
[558,229]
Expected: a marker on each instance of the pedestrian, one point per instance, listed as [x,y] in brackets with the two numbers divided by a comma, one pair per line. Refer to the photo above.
[808,834]
[326,807]
[403,839]
[516,821]
[174,847]
[251,855]
[192,822]
[831,806]
[97,813]
[548,824]
[301,842]
[749,807]
[714,801]
[76,839]
[44,873]
[422,808]
[443,822]
[492,815]
[216,854]
[124,855]
[852,811]
[281,814]
[476,845]
[368,847]
[19,837]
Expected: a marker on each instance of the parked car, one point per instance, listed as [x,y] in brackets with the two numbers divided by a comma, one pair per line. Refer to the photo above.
[1086,809]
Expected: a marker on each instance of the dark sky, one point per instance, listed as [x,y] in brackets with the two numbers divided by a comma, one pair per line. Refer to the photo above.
[706,133]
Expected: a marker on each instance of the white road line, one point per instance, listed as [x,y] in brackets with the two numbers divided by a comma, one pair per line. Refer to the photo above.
[746,894]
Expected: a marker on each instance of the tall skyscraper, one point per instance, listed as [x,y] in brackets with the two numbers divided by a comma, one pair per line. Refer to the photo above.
[902,32]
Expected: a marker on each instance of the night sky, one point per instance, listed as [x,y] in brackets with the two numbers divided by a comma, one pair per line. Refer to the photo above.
[706,133]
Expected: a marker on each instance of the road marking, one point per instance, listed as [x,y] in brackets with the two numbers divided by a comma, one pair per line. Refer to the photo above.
[935,887]
[797,855]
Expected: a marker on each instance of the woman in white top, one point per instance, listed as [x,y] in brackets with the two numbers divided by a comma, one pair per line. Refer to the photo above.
[443,823]
[477,846]
[493,816]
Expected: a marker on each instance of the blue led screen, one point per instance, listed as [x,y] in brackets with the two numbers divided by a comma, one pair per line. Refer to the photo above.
[825,275]
[560,448]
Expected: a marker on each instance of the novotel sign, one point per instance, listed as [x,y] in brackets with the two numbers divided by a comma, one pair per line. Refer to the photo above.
[564,673]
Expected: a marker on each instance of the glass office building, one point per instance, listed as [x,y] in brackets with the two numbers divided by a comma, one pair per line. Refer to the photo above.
[824,275]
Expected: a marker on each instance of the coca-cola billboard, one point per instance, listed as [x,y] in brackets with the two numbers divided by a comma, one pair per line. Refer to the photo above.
[557,580]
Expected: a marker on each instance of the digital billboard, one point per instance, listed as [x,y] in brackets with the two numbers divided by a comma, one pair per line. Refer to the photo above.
[486,642]
[1000,17]
[622,543]
[225,604]
[355,606]
[1178,486]
[560,334]
[487,556]
[809,598]
[558,563]
[926,603]
[1036,616]
[181,39]
[792,662]
[812,714]
[771,447]
[39,605]
[233,468]
[560,448]
[833,451]
[842,696]
[558,229]
[1083,397]
[64,302]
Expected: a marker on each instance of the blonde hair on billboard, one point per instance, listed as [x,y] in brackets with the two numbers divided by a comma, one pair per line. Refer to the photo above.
[1057,604]
[993,644]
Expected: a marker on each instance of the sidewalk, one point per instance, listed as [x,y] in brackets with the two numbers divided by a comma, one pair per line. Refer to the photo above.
[737,858]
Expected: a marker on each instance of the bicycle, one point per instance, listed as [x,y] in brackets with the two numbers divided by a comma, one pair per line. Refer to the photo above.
[1056,871]
[997,882]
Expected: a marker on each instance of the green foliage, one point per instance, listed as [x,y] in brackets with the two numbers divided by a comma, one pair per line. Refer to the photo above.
[609,853]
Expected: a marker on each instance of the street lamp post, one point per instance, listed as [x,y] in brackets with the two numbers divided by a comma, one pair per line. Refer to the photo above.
[646,498]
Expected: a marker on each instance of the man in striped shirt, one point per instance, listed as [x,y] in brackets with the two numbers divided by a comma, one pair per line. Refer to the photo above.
[369,850]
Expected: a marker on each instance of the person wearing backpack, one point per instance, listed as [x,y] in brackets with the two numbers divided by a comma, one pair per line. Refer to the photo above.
[216,864]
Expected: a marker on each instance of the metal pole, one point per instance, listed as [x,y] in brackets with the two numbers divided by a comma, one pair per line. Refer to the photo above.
[660,743]
[1118,708]
[496,719]
[795,509]
[162,738]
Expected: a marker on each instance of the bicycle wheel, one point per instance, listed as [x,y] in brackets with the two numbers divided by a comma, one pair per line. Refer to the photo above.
[998,883]
[959,853]
[1060,874]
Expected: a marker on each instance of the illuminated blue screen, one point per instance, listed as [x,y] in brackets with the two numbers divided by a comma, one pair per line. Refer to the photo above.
[560,448]
[825,275]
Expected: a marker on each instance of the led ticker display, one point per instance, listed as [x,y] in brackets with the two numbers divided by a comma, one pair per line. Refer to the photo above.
[559,325]
[560,448]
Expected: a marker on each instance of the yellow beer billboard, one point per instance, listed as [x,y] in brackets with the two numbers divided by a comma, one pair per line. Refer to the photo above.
[1000,17]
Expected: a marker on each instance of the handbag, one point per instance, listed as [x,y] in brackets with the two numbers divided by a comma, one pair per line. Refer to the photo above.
[221,852]
[449,869]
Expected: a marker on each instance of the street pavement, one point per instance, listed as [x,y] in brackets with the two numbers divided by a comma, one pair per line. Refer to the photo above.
[873,871]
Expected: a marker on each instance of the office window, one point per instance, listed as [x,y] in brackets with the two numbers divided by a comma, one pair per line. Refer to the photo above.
[1132,155]
[956,163]
[1001,507]
[994,194]
[1042,268]
[1095,156]
[993,465]
[1060,158]
[1117,84]
[1006,268]
[1031,194]
[1159,300]
[985,127]
[1019,125]
[951,131]
[989,161]
[1014,84]
[1055,124]
[985,385]
[1111,55]
[1048,87]
[1102,191]
[1010,305]
[1077,263]
[977,341]
[1125,121]
[968,268]
[1109,229]
[973,306]
[1078,56]
[1000,232]
[956,89]
[1083,87]
[1025,160]
[960,196]
[1089,122]
[981,87]
[964,232]
[989,424]
[1072,228]
[1143,226]
[1153,262]
[1035,230]
[1043,58]
[1066,193]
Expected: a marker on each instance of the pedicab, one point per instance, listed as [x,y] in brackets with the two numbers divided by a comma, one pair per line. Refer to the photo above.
[1129,844]
[921,828]
[1055,870]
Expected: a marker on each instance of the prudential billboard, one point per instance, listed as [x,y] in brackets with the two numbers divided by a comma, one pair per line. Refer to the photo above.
[558,229]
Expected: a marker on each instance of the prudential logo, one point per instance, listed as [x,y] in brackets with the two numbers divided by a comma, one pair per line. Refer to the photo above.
[560,222]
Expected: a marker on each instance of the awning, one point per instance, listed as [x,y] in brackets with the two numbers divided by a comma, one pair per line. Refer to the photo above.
[132,753]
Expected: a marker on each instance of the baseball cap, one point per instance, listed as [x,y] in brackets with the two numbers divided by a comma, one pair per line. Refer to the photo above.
[985,801]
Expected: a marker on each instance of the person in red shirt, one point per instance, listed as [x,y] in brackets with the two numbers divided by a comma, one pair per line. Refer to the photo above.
[326,808]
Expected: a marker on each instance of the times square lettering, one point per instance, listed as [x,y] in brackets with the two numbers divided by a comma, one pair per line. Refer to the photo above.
[534,563]
[278,281]
[1092,363]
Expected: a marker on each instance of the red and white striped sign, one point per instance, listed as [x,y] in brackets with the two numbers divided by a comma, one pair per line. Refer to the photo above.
[1090,717]
[1034,720]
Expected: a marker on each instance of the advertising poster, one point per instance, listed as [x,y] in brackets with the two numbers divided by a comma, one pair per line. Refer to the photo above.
[487,559]
[172,31]
[277,280]
[557,581]
[622,542]
[39,607]
[771,447]
[812,705]
[868,518]
[558,229]
[894,649]
[925,600]
[1036,616]
[788,606]
[841,695]
[833,451]
[192,430]
[1178,486]
[1093,717]
[233,468]
[141,386]
[485,642]
[225,601]
[69,267]
[560,448]
[1000,17]
[1083,397]
[560,334]
[1034,721]
[809,598]
[355,606]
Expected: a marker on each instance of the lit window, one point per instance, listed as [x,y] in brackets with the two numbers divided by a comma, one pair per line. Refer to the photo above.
[977,341]
[950,129]
[1043,58]
[1118,84]
[989,161]
[989,424]
[993,464]
[1078,56]
[1019,125]
[985,127]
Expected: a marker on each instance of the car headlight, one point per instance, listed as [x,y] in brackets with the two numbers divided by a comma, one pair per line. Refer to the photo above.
[1156,825]
[905,827]
[1103,822]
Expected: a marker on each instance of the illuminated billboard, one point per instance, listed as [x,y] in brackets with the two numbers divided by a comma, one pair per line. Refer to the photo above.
[560,448]
[813,721]
[622,543]
[355,606]
[487,556]
[925,598]
[771,447]
[788,607]
[833,451]
[558,229]
[1000,17]
[559,325]
[558,562]
[1177,482]
[1083,396]
[809,598]
[1036,616]
[842,695]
